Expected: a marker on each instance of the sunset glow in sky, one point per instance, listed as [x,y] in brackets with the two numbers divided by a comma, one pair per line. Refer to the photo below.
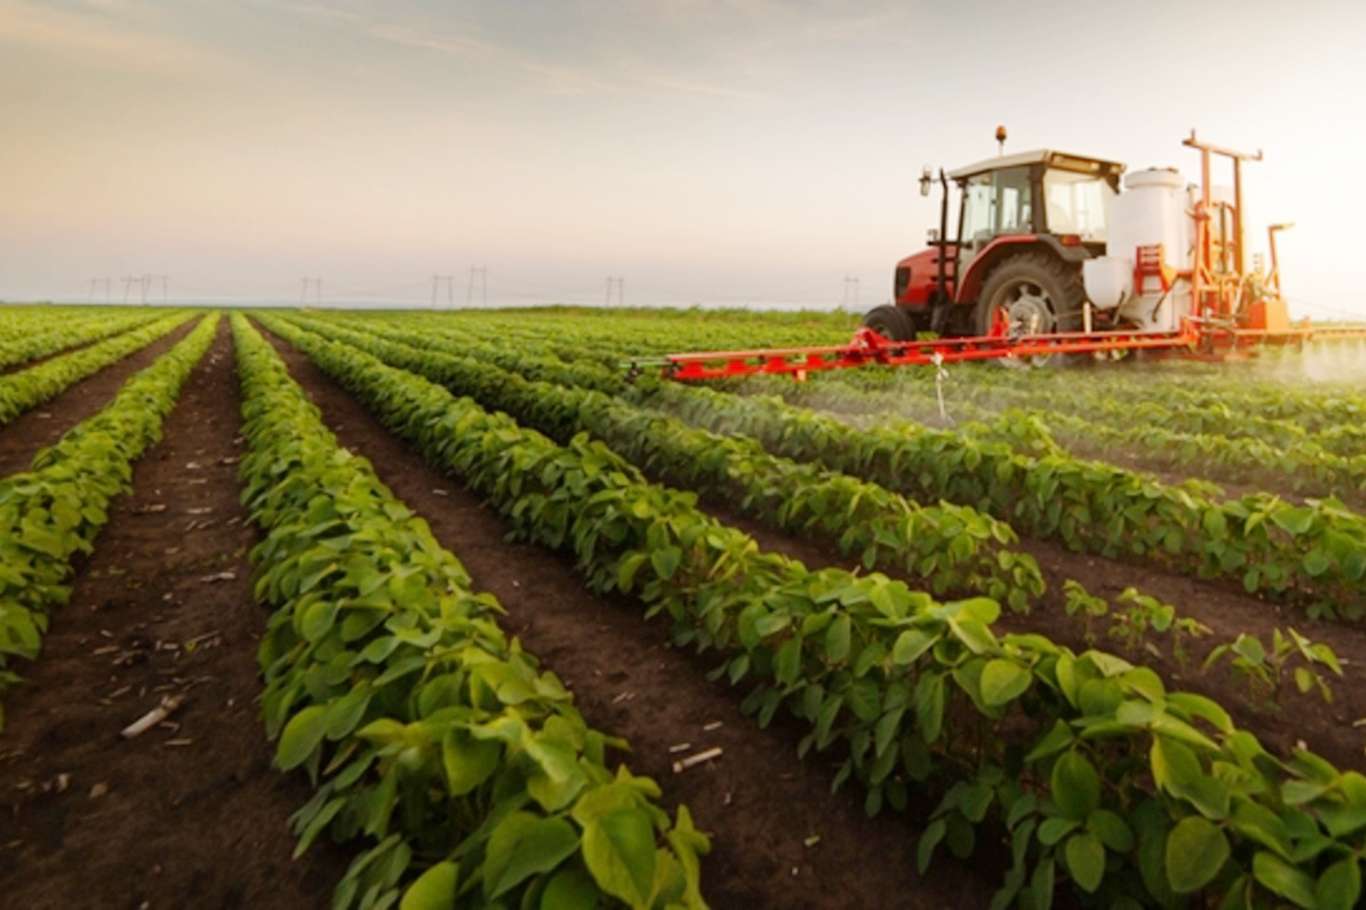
[706,150]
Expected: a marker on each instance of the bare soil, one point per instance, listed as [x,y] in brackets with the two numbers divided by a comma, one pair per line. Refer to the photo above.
[38,427]
[758,800]
[191,813]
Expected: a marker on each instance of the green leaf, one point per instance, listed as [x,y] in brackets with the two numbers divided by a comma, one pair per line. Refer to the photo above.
[1196,851]
[619,850]
[888,726]
[1215,524]
[929,705]
[910,645]
[665,561]
[1281,878]
[570,889]
[1250,648]
[1057,739]
[1294,520]
[317,824]
[1085,856]
[1055,829]
[924,852]
[1112,830]
[318,619]
[432,890]
[1075,785]
[1003,681]
[837,639]
[1316,562]
[523,845]
[1041,884]
[1339,886]
[976,636]
[788,664]
[344,714]
[468,761]
[301,736]
[627,569]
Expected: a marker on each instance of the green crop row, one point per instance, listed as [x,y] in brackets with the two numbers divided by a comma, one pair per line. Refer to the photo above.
[1304,466]
[1313,554]
[602,335]
[1315,462]
[17,320]
[30,388]
[1248,391]
[1088,767]
[30,345]
[54,511]
[1234,392]
[430,735]
[955,548]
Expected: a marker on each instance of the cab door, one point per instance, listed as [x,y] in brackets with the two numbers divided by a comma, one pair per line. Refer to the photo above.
[994,204]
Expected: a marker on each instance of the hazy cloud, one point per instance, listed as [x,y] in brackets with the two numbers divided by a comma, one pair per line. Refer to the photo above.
[599,72]
[101,32]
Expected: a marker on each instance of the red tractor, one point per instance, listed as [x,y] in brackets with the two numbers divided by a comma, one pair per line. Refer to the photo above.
[1026,223]
[1052,261]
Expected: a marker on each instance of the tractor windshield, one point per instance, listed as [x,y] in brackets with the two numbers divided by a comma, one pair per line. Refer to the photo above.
[1077,204]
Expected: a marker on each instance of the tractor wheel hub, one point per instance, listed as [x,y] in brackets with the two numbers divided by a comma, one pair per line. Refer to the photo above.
[1028,311]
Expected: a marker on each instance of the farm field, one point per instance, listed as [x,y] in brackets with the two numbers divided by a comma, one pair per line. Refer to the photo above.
[424,609]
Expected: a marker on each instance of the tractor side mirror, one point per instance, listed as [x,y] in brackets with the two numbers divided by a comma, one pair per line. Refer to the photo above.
[925,180]
[932,236]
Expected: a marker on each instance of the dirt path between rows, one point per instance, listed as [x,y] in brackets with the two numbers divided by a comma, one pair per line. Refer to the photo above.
[43,425]
[1328,729]
[190,815]
[760,803]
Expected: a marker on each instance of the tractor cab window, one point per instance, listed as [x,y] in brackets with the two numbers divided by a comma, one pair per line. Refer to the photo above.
[997,203]
[1077,204]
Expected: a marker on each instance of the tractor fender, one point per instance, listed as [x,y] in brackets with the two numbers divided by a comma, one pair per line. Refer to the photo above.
[1009,245]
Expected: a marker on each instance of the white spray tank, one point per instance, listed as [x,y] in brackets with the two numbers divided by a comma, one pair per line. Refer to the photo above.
[1154,209]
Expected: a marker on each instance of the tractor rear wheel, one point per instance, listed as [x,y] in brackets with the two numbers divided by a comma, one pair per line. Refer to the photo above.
[891,322]
[1032,294]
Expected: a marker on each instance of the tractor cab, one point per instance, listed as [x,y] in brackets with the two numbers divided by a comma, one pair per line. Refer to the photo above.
[1044,208]
[1036,193]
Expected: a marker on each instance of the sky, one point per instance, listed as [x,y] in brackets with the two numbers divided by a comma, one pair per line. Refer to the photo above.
[705,151]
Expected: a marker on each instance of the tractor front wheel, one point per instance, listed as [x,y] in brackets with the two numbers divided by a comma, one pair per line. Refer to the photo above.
[890,322]
[1030,294]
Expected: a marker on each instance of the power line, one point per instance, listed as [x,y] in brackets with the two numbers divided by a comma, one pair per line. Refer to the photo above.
[314,284]
[449,282]
[849,300]
[482,274]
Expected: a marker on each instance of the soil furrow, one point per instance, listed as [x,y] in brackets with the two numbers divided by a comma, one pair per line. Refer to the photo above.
[43,425]
[759,801]
[190,813]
